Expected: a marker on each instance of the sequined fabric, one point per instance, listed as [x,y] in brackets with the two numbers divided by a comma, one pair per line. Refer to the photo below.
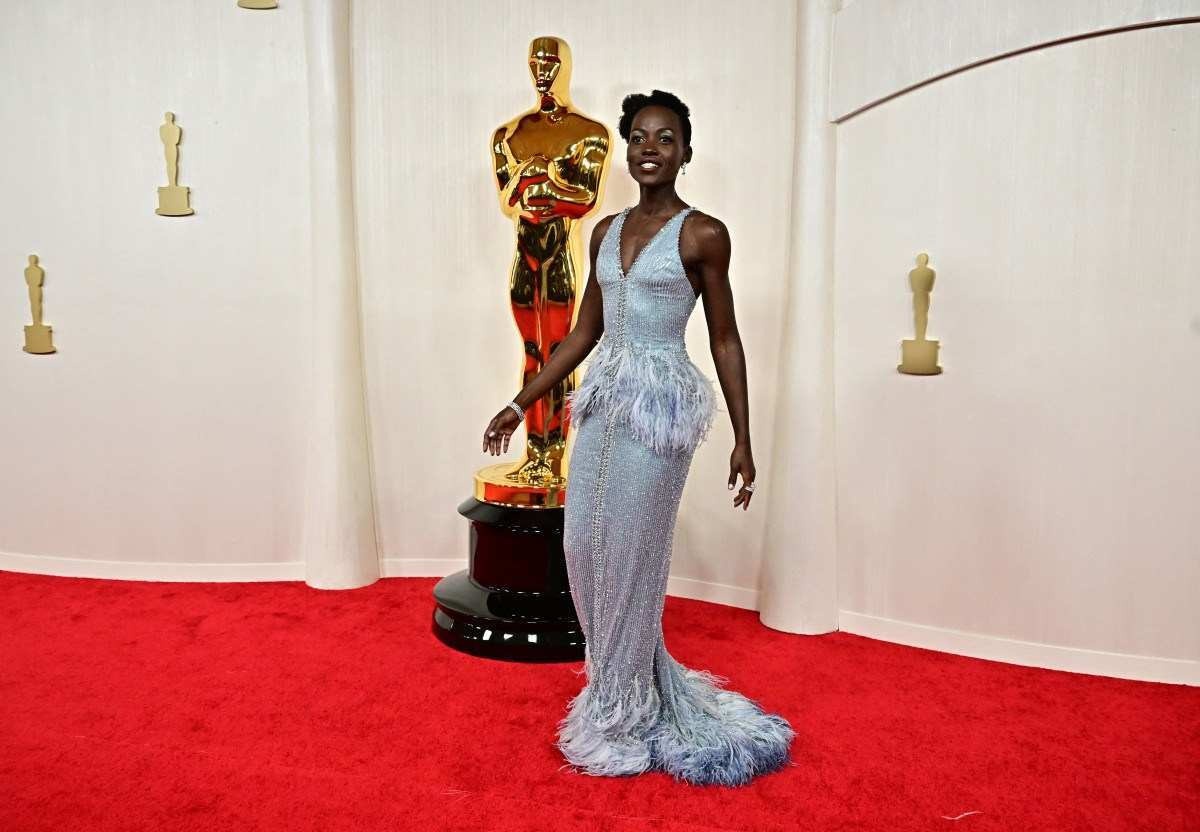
[638,416]
[640,371]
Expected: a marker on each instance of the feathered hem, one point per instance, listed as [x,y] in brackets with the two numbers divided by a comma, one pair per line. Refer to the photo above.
[665,399]
[604,732]
[686,725]
[711,735]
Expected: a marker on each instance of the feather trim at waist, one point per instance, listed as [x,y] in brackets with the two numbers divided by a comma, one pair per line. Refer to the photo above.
[665,399]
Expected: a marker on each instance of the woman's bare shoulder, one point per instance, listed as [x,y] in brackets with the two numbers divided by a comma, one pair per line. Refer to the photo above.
[704,230]
[605,222]
[600,229]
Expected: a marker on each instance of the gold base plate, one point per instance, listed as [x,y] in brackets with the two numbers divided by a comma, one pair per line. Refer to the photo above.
[493,486]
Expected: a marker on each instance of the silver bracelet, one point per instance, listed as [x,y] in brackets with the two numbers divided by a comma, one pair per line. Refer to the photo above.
[518,410]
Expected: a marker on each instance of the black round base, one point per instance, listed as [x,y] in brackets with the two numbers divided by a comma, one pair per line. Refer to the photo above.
[513,602]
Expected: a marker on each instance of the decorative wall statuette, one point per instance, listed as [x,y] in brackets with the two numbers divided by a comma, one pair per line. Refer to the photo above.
[38,337]
[918,356]
[258,4]
[173,199]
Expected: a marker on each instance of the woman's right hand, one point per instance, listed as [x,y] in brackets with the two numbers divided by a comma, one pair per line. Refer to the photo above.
[498,431]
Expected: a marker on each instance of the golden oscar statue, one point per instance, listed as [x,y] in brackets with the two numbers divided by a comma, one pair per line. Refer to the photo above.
[173,199]
[38,337]
[514,600]
[918,356]
[550,164]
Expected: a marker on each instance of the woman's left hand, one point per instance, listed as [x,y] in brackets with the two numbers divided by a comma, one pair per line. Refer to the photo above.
[741,461]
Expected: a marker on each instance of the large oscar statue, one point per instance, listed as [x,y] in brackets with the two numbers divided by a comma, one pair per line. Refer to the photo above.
[513,601]
[550,165]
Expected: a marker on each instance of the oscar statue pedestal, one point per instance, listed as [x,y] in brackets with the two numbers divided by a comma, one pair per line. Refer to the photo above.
[173,201]
[919,358]
[39,339]
[513,601]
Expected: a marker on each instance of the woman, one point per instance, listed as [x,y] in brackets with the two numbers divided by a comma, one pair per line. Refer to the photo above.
[640,412]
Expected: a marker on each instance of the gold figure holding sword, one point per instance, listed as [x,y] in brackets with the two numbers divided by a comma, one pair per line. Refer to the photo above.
[549,164]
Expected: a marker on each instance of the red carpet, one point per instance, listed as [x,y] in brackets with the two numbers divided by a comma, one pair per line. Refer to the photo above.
[273,706]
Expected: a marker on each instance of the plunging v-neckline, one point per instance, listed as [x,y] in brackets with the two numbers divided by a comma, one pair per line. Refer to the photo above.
[650,242]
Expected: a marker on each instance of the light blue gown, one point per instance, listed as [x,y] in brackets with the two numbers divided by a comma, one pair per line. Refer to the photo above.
[638,415]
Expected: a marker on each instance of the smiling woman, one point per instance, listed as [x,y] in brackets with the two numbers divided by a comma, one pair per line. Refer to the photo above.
[640,412]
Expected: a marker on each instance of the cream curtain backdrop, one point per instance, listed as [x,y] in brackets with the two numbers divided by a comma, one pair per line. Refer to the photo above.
[292,383]
[442,352]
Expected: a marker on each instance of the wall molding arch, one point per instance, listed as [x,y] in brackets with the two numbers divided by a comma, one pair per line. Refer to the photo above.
[885,48]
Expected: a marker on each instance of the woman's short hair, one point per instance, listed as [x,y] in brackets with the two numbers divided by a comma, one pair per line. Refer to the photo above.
[636,101]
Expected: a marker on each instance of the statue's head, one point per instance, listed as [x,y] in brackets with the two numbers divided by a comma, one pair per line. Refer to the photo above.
[33,259]
[170,117]
[922,259]
[550,65]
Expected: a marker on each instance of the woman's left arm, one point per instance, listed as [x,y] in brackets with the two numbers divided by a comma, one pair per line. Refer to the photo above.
[710,243]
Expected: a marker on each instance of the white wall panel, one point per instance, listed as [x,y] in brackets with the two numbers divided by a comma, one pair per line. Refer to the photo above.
[169,426]
[1043,489]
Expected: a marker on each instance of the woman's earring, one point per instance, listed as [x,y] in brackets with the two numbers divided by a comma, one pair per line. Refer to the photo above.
[683,168]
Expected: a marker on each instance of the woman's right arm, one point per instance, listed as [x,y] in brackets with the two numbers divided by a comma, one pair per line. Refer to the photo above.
[570,352]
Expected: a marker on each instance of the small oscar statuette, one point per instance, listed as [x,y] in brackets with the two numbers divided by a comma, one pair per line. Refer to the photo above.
[173,199]
[258,4]
[918,356]
[38,336]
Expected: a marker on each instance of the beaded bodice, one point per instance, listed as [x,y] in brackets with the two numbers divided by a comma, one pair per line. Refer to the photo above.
[640,370]
[652,304]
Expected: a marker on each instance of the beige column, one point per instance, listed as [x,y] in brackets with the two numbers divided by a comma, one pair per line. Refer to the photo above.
[339,541]
[798,593]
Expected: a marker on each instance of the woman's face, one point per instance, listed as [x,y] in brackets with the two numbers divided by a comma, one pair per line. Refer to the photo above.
[655,150]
